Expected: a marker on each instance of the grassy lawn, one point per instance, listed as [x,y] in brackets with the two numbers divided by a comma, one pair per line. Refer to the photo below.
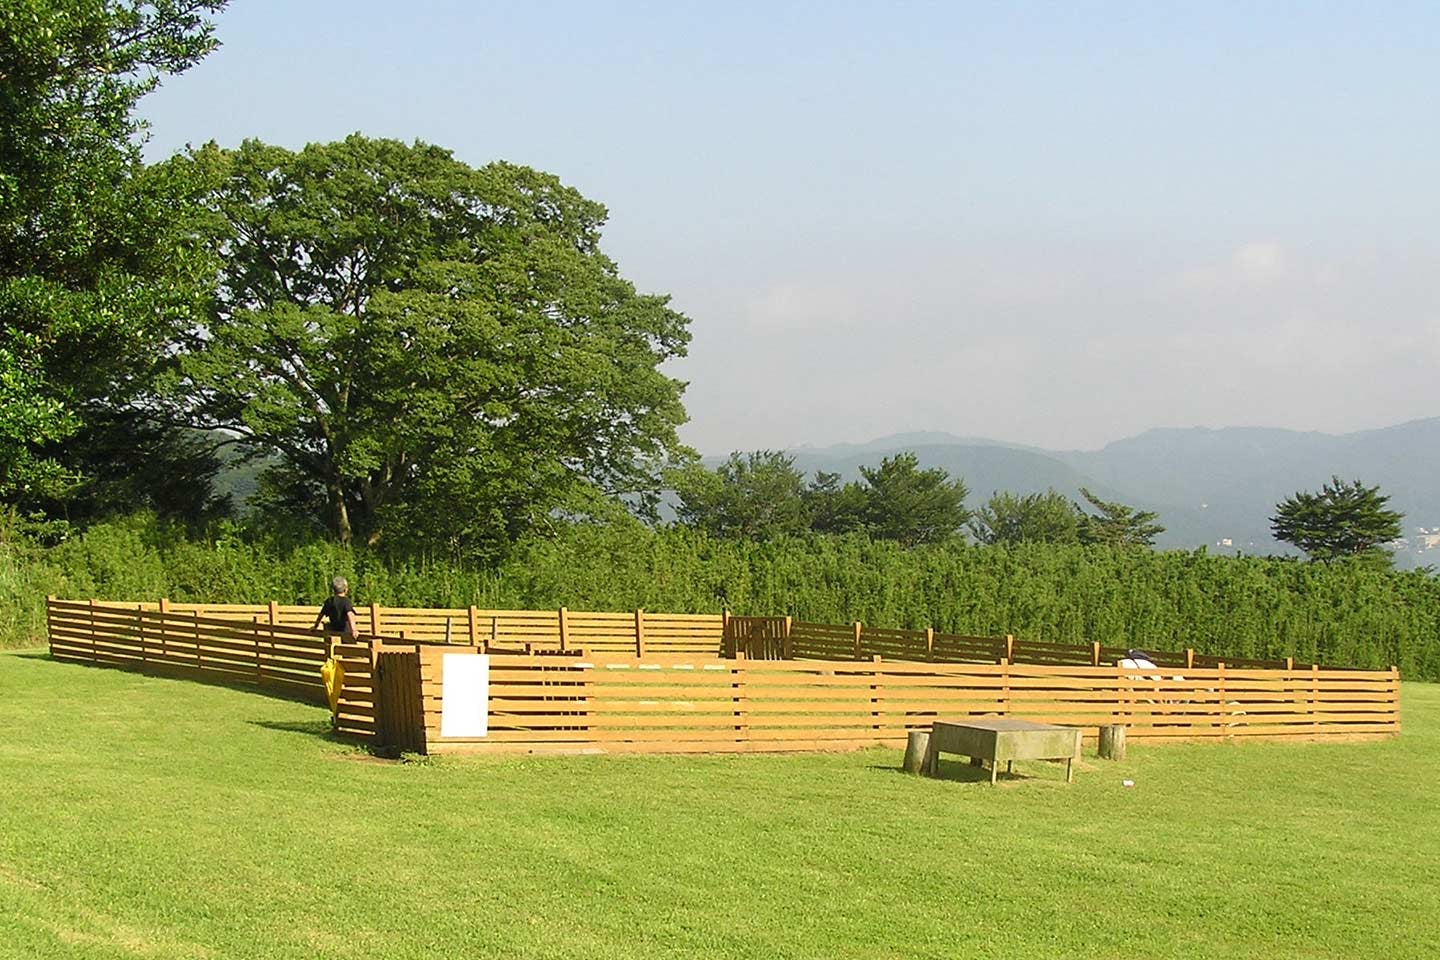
[159,818]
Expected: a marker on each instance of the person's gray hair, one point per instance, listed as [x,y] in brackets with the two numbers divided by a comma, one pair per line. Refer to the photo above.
[339,585]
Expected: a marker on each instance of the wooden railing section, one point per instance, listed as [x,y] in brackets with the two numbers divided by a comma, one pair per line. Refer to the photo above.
[230,650]
[640,632]
[680,704]
[633,632]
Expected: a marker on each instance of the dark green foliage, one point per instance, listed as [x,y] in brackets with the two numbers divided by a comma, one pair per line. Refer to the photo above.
[441,356]
[1339,613]
[1034,518]
[834,507]
[93,275]
[127,462]
[1342,520]
[754,496]
[1117,525]
[761,496]
[910,505]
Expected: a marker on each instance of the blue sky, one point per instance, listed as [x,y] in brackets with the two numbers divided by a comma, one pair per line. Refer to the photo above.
[1048,223]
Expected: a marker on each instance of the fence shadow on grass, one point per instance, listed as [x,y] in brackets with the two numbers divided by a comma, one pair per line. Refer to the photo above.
[315,728]
[195,676]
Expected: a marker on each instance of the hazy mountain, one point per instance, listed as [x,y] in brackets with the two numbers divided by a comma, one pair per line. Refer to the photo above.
[986,467]
[1207,485]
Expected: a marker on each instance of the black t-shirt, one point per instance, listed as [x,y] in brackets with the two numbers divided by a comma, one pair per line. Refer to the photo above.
[337,612]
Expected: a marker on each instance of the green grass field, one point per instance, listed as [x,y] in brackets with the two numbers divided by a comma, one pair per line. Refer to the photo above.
[142,817]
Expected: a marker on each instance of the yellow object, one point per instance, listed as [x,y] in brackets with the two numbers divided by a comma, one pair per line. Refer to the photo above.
[333,673]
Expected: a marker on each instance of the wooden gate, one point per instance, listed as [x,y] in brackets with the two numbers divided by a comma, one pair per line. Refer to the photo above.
[400,719]
[759,638]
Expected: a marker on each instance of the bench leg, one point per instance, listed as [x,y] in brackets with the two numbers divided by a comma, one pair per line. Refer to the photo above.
[994,771]
[1009,766]
[977,762]
[1069,770]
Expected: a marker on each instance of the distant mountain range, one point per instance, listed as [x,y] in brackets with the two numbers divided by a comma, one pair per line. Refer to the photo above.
[1216,488]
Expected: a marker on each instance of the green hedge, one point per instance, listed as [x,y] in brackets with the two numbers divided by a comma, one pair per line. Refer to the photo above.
[1250,606]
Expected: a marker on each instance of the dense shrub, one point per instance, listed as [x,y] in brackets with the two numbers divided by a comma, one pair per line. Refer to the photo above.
[1239,606]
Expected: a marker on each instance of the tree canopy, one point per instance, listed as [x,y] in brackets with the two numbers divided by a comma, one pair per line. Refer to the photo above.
[912,505]
[761,495]
[93,275]
[753,496]
[1342,520]
[436,352]
[1116,524]
[1046,517]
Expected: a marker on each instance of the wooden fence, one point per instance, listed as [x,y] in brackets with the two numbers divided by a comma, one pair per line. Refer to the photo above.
[641,632]
[226,649]
[635,632]
[692,704]
[806,686]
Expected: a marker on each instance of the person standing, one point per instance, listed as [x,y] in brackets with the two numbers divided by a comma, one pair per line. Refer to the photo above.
[338,612]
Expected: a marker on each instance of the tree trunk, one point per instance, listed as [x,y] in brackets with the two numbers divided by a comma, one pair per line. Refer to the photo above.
[917,744]
[342,514]
[1112,742]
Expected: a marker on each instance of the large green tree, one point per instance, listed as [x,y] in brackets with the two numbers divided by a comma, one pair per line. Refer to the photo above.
[912,505]
[1117,524]
[1047,517]
[835,507]
[752,496]
[1342,520]
[436,352]
[93,275]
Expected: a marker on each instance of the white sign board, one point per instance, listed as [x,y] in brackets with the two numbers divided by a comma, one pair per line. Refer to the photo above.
[464,694]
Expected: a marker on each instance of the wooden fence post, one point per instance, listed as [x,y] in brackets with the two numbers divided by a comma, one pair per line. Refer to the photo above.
[737,696]
[164,625]
[274,622]
[1224,705]
[1189,658]
[140,631]
[1005,686]
[199,657]
[255,639]
[1394,687]
[1095,653]
[640,632]
[474,627]
[564,630]
[1125,695]
[930,643]
[876,692]
[1314,704]
[1009,649]
[94,653]
[375,630]
[858,628]
[50,623]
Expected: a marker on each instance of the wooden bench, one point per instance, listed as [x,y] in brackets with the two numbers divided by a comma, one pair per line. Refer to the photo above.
[1002,738]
